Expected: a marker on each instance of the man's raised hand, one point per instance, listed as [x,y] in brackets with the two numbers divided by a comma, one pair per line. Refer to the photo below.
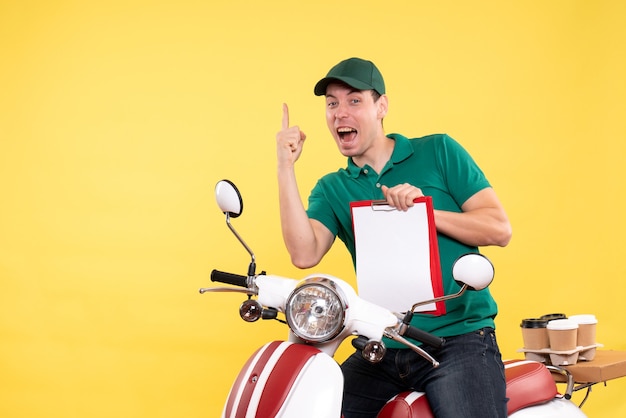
[289,140]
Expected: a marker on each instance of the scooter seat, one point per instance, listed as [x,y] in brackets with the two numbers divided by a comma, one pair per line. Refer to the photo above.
[407,405]
[527,383]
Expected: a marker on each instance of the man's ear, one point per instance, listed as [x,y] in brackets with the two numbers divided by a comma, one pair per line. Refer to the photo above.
[383,106]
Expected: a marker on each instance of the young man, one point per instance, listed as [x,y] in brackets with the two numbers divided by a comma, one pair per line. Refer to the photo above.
[470,380]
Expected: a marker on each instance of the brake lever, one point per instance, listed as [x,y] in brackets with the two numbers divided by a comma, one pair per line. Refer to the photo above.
[247,291]
[393,334]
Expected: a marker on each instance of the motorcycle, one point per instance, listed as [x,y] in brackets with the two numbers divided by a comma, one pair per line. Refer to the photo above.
[298,377]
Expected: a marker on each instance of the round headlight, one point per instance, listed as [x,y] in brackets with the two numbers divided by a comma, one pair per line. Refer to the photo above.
[316,310]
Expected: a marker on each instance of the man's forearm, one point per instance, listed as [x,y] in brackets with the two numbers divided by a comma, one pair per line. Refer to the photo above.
[298,233]
[480,227]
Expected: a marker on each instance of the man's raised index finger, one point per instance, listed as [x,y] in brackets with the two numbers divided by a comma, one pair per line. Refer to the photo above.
[285,116]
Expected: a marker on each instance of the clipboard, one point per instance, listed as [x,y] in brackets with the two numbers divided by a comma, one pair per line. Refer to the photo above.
[397,255]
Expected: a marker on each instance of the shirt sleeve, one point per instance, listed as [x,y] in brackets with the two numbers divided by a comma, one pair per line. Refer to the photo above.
[320,208]
[463,176]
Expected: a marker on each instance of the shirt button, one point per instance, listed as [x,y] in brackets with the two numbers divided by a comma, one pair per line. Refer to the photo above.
[378,185]
[365,170]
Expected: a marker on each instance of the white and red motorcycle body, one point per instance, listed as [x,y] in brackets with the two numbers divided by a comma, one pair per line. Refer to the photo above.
[284,379]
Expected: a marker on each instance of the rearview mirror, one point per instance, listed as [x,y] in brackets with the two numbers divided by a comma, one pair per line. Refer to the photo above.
[228,198]
[473,269]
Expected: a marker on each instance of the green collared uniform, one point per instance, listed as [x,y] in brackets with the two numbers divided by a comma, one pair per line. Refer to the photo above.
[442,169]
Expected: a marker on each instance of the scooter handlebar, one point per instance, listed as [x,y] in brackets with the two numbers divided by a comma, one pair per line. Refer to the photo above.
[229,278]
[423,336]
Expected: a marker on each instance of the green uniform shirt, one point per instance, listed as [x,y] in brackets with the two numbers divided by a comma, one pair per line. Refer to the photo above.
[439,166]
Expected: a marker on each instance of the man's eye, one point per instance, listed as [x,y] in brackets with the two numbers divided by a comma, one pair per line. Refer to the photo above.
[356,101]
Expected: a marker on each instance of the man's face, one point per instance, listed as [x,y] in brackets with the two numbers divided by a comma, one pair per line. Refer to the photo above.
[354,118]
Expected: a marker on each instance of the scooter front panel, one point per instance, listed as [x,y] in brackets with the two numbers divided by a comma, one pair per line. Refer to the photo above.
[283,379]
[246,381]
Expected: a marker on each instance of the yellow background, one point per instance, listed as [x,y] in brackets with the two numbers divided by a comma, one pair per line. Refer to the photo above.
[118,117]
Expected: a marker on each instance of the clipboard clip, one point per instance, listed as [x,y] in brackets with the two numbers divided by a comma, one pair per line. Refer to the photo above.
[381,206]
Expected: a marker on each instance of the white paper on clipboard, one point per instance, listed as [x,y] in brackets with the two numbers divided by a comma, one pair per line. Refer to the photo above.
[397,256]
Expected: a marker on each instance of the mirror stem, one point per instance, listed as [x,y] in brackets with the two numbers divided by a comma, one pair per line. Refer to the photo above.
[252,267]
[439,299]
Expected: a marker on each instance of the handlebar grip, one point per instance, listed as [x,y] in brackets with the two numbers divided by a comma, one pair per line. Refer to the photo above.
[423,336]
[229,278]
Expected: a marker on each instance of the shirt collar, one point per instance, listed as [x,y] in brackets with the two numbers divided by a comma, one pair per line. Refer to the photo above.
[401,151]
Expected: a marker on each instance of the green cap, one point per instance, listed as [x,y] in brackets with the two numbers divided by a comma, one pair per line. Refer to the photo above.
[355,72]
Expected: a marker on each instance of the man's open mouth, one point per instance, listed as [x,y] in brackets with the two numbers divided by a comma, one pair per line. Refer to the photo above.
[346,133]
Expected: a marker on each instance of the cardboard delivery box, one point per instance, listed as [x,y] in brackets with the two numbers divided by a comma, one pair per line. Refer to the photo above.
[606,365]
